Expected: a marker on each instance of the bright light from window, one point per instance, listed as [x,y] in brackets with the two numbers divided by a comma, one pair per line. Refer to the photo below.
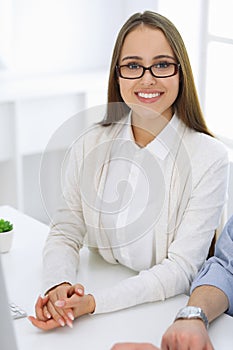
[219,89]
[220,18]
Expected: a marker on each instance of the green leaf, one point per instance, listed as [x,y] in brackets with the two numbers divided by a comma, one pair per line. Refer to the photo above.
[5,225]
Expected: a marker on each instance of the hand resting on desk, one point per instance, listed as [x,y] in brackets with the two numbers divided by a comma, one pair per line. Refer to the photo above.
[61,306]
[181,335]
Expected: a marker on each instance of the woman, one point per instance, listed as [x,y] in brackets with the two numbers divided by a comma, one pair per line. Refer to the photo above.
[145,187]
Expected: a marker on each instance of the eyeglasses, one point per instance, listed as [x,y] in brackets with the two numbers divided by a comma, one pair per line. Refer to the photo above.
[158,70]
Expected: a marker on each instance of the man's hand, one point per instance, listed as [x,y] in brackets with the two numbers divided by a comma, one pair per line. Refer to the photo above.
[186,335]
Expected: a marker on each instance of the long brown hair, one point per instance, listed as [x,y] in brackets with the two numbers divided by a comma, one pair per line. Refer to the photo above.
[186,106]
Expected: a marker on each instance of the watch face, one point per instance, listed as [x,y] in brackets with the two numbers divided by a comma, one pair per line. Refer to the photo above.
[189,312]
[193,311]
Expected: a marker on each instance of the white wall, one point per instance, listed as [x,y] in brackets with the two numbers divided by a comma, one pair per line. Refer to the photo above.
[63,35]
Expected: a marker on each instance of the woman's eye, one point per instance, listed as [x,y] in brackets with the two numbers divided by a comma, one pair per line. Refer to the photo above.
[133,66]
[162,65]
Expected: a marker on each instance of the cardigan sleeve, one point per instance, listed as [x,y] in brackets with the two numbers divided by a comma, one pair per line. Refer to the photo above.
[70,224]
[218,270]
[188,250]
[61,250]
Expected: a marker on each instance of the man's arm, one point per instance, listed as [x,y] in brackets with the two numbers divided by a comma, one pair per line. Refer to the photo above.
[213,301]
[211,292]
[192,333]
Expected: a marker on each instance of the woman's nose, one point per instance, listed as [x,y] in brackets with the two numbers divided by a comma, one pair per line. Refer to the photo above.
[148,78]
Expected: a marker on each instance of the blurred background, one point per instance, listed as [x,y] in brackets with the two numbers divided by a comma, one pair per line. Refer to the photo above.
[54,61]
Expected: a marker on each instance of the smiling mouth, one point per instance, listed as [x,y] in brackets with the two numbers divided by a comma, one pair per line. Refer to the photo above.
[148,95]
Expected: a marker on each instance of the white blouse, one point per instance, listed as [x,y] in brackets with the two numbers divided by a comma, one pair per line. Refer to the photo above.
[127,188]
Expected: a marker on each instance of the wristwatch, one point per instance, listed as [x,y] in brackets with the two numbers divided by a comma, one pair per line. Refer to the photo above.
[192,312]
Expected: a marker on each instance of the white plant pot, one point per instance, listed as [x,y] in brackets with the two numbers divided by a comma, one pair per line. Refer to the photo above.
[6,239]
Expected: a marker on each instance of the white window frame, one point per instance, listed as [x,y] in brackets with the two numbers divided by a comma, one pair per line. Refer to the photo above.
[206,39]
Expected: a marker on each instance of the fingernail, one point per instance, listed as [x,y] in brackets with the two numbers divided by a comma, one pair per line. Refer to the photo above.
[69,323]
[80,291]
[59,303]
[48,315]
[71,316]
[61,322]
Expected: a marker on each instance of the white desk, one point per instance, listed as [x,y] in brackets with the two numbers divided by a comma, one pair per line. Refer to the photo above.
[144,323]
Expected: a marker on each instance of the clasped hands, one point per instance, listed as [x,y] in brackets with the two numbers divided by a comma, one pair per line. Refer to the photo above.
[61,306]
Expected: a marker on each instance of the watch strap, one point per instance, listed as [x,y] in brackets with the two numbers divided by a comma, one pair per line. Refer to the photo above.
[192,312]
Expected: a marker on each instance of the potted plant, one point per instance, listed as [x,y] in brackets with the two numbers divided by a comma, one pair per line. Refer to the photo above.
[6,235]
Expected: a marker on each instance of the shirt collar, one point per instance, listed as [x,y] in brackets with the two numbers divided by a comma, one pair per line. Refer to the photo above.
[163,143]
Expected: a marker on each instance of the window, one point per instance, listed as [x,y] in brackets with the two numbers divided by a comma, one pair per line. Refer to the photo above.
[219,69]
[5,33]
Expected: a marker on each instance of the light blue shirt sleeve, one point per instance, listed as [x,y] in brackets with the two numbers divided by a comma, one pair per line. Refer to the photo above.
[218,270]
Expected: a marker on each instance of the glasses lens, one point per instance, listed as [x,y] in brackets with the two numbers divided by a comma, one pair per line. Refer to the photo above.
[131,71]
[163,69]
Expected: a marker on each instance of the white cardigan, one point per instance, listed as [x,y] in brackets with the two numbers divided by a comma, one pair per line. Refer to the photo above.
[195,178]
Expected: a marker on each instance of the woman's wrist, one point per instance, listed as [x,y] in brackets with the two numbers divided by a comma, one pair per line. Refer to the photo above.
[91,304]
[54,287]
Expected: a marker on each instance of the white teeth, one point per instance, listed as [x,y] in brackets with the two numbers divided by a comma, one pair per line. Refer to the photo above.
[142,94]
